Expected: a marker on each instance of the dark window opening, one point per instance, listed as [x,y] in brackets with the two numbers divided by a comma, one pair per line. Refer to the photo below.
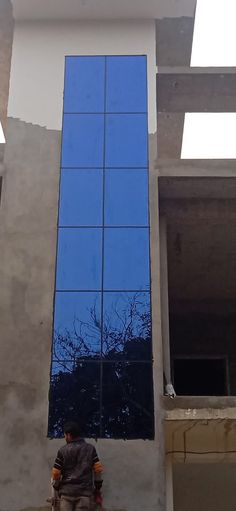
[200,376]
[200,241]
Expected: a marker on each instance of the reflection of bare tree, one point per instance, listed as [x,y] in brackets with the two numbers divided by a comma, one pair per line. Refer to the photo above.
[123,325]
[80,340]
[129,321]
[127,385]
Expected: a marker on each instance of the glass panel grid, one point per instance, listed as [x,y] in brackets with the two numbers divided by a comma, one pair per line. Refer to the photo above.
[102,303]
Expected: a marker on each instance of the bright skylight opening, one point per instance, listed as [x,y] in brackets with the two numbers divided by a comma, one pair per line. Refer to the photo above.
[209,136]
[214,39]
[2,137]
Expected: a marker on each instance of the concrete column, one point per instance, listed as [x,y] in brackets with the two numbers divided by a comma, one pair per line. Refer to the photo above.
[169,485]
[165,300]
[159,443]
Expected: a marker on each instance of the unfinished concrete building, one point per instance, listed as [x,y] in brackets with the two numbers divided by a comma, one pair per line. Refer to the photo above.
[122,248]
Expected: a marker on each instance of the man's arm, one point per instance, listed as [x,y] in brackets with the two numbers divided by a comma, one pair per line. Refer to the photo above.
[97,471]
[57,470]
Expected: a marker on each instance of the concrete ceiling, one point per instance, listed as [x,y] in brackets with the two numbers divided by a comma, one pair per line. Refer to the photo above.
[101,9]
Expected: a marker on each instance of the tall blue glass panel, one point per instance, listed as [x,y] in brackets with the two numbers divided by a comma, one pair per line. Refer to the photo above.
[79,259]
[81,197]
[101,371]
[122,73]
[126,197]
[126,140]
[126,259]
[84,85]
[83,140]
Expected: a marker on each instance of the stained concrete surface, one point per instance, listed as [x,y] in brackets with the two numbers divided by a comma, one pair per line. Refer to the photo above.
[169,135]
[28,217]
[174,41]
[205,487]
[202,92]
[28,230]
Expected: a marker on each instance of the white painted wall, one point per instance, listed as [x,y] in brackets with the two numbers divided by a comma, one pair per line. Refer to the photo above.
[39,49]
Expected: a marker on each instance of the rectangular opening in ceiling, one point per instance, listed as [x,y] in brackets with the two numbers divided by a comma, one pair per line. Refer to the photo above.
[200,376]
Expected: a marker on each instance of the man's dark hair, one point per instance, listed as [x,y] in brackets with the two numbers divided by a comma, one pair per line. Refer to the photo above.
[72,428]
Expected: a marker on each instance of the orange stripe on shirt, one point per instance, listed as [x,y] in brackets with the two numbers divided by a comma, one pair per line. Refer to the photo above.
[97,467]
[56,474]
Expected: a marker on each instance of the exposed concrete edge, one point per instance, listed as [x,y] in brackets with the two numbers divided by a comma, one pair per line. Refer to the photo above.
[11,118]
[197,408]
[203,414]
[196,168]
[195,70]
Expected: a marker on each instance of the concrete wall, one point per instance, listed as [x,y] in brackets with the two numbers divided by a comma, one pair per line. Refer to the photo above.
[205,487]
[134,475]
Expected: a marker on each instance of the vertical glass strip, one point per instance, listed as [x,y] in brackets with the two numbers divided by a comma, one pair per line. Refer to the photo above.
[102,348]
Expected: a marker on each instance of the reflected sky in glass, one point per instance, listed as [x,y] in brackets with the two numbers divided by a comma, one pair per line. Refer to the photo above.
[128,400]
[126,197]
[127,326]
[77,326]
[126,259]
[82,141]
[84,84]
[126,140]
[75,395]
[79,259]
[62,366]
[81,197]
[126,84]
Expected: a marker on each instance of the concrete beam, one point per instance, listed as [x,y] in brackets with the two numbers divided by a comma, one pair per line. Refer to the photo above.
[192,168]
[200,407]
[194,211]
[197,188]
[101,9]
[186,69]
[203,92]
[169,135]
[174,41]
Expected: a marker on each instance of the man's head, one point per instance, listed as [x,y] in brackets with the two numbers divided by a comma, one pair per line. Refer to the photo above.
[71,431]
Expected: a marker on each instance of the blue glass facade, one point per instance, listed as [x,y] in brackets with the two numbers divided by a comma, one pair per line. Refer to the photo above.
[102,352]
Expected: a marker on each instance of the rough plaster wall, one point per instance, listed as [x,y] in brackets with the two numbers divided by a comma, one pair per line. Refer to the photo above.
[28,217]
[205,487]
[28,228]
[39,49]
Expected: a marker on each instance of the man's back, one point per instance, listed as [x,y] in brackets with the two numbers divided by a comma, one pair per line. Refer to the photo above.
[77,460]
[77,472]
